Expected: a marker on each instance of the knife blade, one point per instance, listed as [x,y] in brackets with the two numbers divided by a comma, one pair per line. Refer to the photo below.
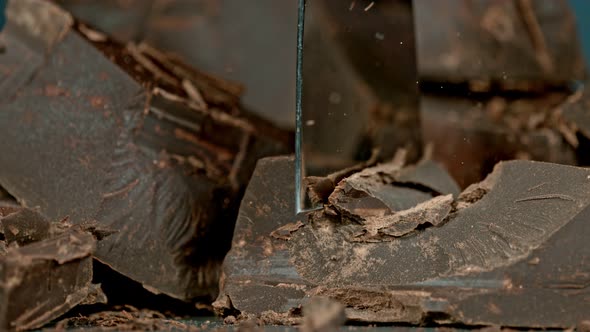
[357,91]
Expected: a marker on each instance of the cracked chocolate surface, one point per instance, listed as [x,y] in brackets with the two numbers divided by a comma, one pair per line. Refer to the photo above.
[497,259]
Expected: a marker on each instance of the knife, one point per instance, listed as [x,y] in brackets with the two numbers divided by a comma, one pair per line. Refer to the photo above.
[357,91]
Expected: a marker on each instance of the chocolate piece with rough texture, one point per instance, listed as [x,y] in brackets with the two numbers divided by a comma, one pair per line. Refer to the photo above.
[388,188]
[23,226]
[470,135]
[43,275]
[152,150]
[210,35]
[124,20]
[511,252]
[516,45]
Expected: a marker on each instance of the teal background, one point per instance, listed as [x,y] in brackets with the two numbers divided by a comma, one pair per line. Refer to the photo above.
[2,15]
[582,10]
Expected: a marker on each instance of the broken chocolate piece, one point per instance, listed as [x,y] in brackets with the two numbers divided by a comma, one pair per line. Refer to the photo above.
[269,202]
[41,281]
[95,295]
[474,269]
[124,21]
[320,188]
[470,135]
[130,138]
[284,232]
[387,188]
[23,226]
[208,36]
[516,44]
[125,319]
[432,212]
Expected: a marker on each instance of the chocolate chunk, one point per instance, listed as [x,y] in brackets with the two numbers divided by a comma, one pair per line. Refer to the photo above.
[385,189]
[126,319]
[517,44]
[208,36]
[129,137]
[41,281]
[428,175]
[284,232]
[269,203]
[473,269]
[23,226]
[470,135]
[432,212]
[121,20]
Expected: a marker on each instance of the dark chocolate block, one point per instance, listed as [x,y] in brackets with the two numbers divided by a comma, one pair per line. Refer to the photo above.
[45,277]
[153,151]
[510,252]
[210,35]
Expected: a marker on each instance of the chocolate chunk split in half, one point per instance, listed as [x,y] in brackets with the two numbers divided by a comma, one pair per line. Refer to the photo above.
[508,251]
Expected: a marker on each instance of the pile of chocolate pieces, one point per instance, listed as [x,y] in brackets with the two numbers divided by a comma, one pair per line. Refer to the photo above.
[131,178]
